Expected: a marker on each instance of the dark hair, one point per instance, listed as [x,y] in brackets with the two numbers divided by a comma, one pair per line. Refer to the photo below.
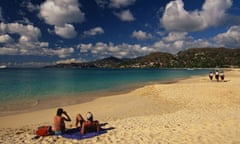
[59,111]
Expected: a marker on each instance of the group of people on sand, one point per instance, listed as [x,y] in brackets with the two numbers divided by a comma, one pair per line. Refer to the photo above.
[88,125]
[218,75]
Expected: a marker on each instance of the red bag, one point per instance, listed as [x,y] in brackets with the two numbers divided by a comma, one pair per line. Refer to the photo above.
[44,131]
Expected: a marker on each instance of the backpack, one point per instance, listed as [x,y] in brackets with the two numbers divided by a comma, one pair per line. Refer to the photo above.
[44,131]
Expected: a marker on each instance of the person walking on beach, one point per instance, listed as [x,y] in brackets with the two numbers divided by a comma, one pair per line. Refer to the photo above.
[59,121]
[222,75]
[211,75]
[217,75]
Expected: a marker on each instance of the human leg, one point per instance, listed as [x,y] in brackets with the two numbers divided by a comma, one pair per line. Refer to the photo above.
[79,119]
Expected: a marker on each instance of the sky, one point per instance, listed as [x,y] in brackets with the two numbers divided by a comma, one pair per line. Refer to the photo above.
[43,32]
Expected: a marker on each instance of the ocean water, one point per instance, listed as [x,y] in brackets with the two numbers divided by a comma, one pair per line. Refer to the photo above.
[25,87]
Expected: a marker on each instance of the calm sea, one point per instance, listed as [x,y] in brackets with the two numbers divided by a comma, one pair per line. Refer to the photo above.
[24,88]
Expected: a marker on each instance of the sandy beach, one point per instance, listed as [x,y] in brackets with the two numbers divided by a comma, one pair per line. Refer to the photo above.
[194,110]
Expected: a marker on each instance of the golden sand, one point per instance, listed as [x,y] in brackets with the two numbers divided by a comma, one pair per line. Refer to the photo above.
[194,110]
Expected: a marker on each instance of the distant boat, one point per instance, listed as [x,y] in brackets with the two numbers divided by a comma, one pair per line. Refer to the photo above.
[3,66]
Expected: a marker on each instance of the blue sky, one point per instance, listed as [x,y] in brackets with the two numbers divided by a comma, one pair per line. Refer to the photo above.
[43,32]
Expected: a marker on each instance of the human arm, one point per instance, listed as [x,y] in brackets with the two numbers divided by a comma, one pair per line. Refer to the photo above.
[97,126]
[83,128]
[67,118]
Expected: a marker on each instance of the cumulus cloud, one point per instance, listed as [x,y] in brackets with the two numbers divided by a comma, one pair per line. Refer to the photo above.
[231,38]
[32,33]
[93,31]
[121,3]
[68,31]
[84,47]
[213,13]
[140,35]
[5,38]
[175,36]
[27,42]
[68,61]
[177,41]
[171,43]
[60,52]
[8,51]
[101,50]
[125,15]
[60,13]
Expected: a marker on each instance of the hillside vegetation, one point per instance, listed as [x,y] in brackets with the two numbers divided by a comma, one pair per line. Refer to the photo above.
[191,58]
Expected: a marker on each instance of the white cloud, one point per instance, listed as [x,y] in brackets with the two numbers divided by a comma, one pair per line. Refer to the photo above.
[68,31]
[68,61]
[178,41]
[62,13]
[29,31]
[121,3]
[140,35]
[60,52]
[8,51]
[5,39]
[93,31]
[231,38]
[213,13]
[125,15]
[84,47]
[101,50]
[175,36]
[27,43]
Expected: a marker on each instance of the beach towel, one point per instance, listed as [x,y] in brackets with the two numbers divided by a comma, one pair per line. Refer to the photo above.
[75,134]
[44,131]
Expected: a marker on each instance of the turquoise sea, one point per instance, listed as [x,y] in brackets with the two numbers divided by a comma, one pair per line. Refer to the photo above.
[26,88]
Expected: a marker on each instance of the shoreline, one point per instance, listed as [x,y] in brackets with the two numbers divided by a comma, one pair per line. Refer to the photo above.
[79,98]
[192,110]
[47,102]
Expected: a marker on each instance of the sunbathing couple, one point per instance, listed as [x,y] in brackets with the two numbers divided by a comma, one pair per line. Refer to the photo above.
[88,125]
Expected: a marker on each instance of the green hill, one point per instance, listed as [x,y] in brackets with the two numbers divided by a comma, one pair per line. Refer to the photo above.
[191,58]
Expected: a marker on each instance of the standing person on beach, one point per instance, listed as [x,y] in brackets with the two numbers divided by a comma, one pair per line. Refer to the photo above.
[217,75]
[211,75]
[222,75]
[59,121]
